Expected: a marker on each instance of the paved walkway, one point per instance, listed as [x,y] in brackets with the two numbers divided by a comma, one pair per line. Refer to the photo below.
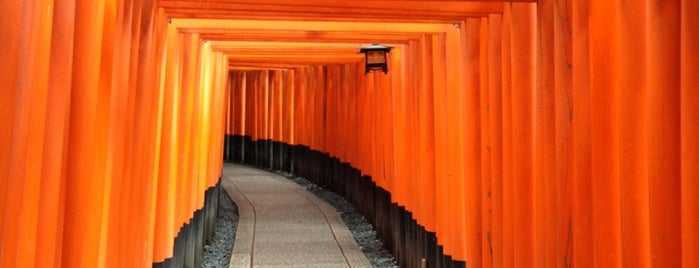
[283,225]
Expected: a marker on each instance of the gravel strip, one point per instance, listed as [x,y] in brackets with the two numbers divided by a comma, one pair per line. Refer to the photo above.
[218,252]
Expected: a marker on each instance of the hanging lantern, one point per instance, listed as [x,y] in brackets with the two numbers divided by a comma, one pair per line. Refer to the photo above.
[375,58]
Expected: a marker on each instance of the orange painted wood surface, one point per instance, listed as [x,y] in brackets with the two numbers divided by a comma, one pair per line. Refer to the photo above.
[534,134]
[689,114]
[90,123]
[554,125]
[523,126]
[606,226]
[581,219]
[664,162]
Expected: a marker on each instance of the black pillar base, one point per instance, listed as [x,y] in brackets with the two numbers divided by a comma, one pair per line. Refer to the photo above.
[190,240]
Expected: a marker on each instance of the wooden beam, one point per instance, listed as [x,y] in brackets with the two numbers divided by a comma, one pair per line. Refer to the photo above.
[358,10]
[318,26]
[305,36]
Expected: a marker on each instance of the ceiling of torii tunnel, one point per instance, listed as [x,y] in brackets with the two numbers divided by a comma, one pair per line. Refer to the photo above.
[280,34]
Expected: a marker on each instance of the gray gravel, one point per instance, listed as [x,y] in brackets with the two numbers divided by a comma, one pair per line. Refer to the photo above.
[218,253]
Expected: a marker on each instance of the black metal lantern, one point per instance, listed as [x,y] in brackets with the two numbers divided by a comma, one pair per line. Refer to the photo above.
[375,58]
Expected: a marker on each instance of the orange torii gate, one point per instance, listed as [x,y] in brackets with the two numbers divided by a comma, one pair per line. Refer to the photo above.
[544,133]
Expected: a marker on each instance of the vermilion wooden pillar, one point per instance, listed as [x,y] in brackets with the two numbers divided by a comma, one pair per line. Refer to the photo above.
[167,180]
[689,41]
[289,108]
[425,124]
[441,145]
[117,46]
[485,207]
[604,66]
[523,57]
[9,55]
[507,159]
[84,193]
[581,222]
[492,251]
[544,128]
[664,144]
[27,93]
[632,94]
[473,40]
[51,205]
[385,129]
[563,93]
[169,151]
[398,96]
[411,83]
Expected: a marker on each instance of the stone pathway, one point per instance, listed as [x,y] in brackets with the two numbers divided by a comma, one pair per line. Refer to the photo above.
[282,225]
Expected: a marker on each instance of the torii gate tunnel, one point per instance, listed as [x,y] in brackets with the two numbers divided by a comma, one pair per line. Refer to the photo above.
[551,133]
